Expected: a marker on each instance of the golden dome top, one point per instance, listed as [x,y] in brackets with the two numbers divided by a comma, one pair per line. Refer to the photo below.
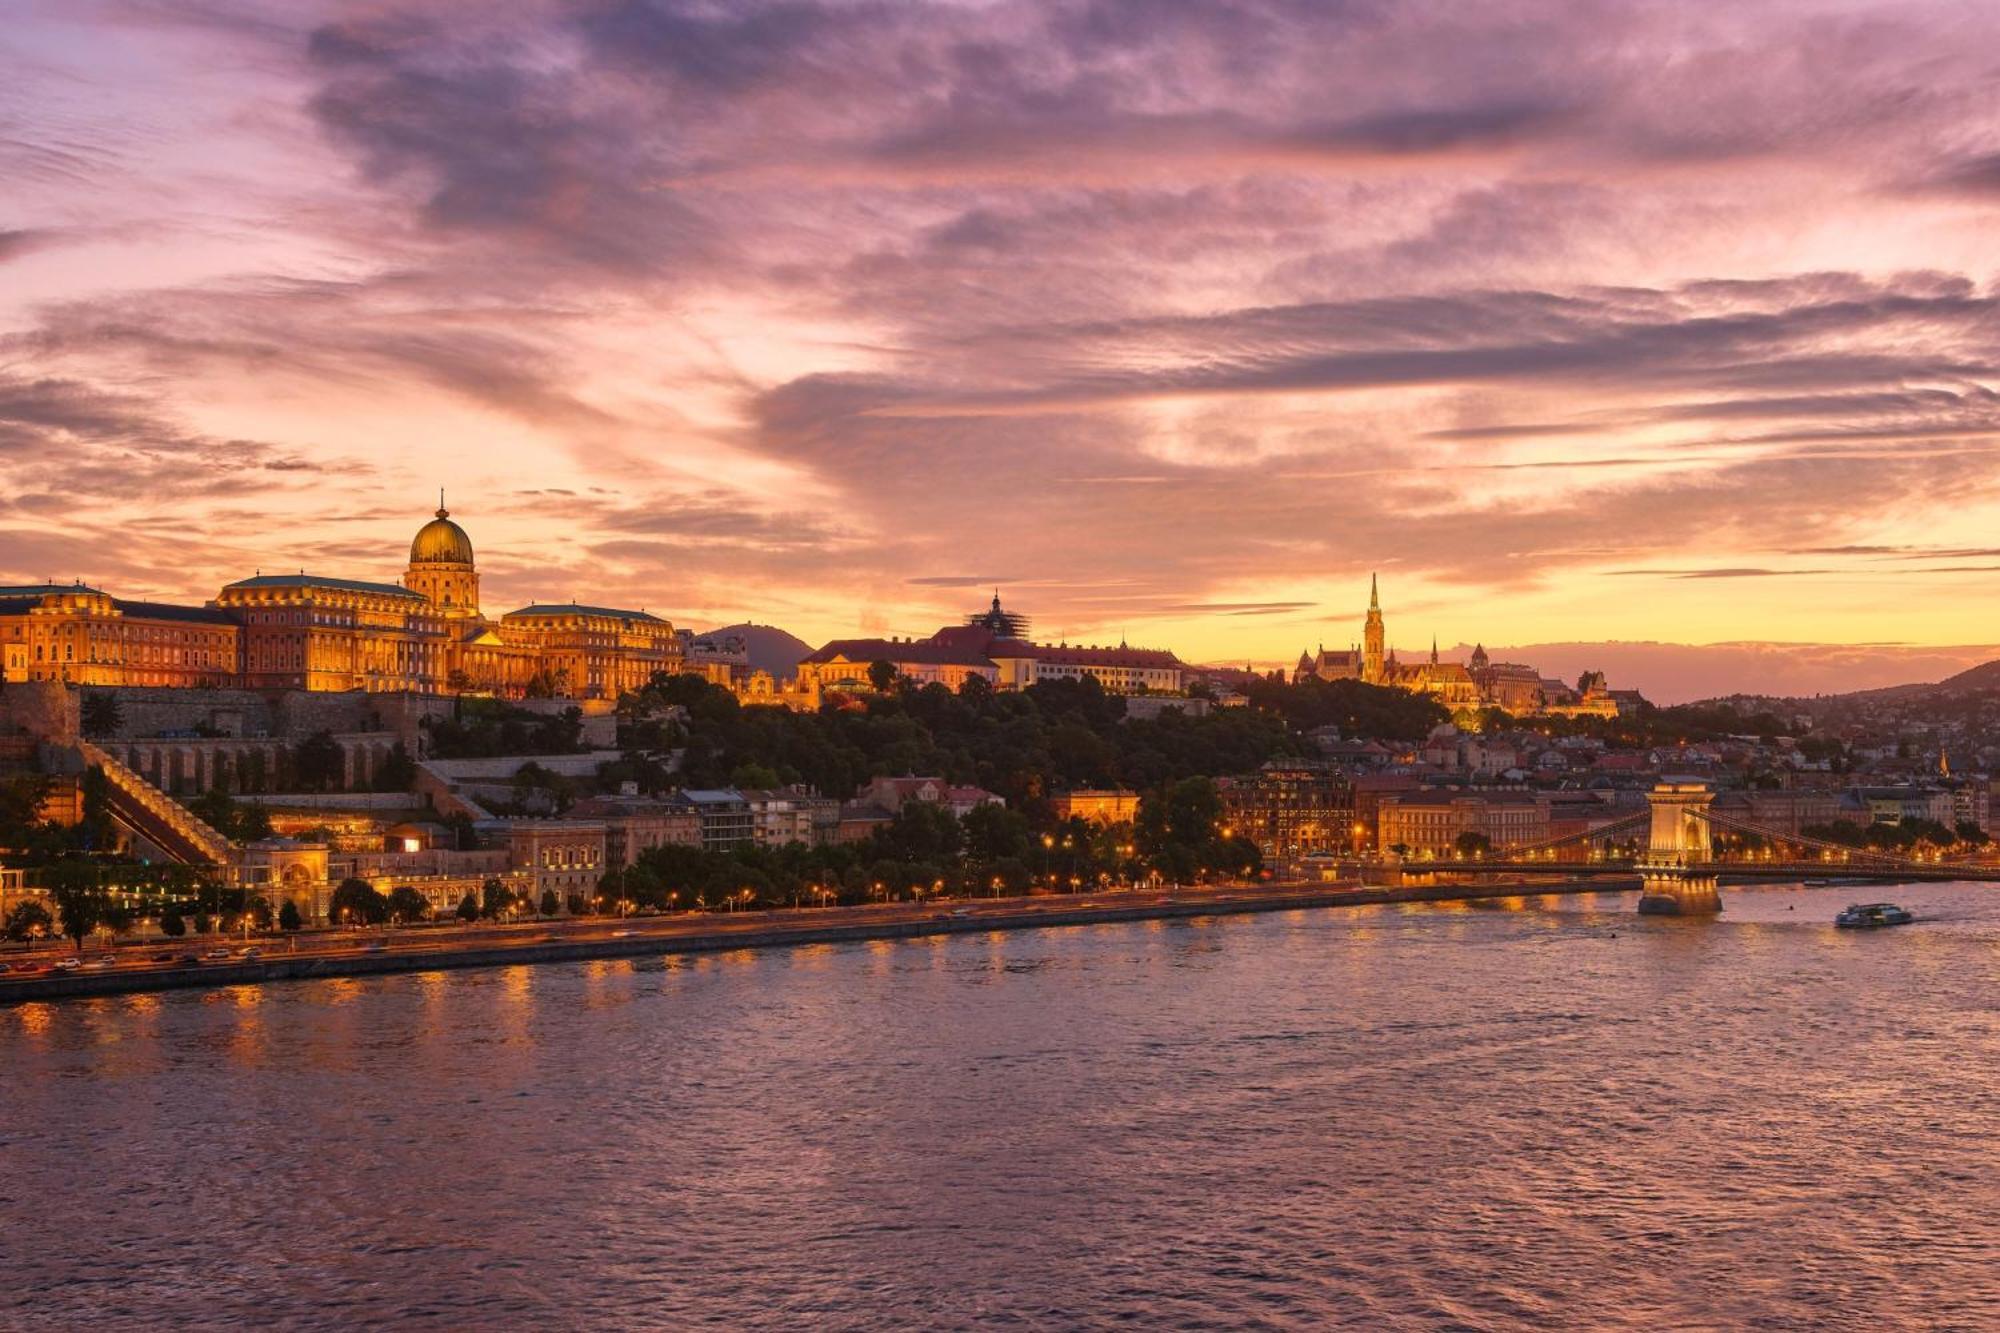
[441,541]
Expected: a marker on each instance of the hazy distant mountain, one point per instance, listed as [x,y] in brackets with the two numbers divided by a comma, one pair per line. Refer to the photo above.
[1670,673]
[771,649]
[1985,676]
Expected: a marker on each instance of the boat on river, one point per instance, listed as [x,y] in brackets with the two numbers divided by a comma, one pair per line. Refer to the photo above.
[1873,916]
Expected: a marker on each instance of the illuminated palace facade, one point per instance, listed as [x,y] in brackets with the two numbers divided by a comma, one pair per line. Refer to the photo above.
[1469,686]
[302,631]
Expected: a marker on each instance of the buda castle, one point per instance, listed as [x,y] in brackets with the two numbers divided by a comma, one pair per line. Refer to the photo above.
[303,631]
[1472,686]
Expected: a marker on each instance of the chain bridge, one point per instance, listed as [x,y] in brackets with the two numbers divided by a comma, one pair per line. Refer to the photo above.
[1670,845]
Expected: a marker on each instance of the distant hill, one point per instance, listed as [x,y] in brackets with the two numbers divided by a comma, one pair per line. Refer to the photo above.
[1971,681]
[1672,673]
[771,649]
[1985,676]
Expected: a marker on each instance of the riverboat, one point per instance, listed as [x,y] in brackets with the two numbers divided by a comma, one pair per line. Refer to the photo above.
[1873,916]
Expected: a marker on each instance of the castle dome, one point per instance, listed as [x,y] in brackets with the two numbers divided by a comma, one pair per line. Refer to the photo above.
[441,541]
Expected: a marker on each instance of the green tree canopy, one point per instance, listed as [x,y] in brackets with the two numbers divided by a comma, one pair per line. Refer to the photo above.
[27,921]
[78,893]
[407,905]
[356,902]
[102,714]
[494,899]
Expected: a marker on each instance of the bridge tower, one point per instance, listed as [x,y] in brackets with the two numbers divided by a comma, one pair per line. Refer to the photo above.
[1675,880]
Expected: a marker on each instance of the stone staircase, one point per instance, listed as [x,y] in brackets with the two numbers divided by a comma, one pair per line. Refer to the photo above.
[153,815]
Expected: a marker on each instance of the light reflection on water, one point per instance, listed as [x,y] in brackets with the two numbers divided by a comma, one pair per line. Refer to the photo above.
[1542,1111]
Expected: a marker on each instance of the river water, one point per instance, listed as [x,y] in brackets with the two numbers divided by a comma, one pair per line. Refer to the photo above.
[1549,1112]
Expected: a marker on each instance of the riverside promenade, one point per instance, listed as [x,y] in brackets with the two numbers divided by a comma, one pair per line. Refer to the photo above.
[319,954]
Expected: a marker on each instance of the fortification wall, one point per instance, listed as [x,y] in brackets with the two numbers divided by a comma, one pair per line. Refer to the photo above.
[47,710]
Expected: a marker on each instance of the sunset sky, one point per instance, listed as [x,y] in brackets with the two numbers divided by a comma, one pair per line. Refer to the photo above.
[1174,319]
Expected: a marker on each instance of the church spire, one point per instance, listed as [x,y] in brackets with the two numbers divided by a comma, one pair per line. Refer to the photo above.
[1434,650]
[1373,668]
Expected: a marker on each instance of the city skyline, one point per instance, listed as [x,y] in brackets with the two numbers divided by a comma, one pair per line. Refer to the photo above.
[1175,326]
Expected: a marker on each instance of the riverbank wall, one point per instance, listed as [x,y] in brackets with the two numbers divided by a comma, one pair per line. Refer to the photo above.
[815,926]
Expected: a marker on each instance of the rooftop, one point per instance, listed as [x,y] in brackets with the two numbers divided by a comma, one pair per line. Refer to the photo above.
[578,609]
[927,652]
[713,796]
[44,589]
[209,615]
[304,580]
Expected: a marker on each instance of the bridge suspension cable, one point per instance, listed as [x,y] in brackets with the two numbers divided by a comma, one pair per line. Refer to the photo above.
[1816,844]
[1633,820]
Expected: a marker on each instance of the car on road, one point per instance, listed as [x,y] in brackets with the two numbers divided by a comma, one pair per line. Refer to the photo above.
[251,953]
[5,968]
[167,957]
[216,956]
[66,964]
[623,934]
[187,959]
[99,963]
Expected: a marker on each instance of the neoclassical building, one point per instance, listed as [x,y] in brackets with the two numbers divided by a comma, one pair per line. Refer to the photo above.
[426,634]
[54,631]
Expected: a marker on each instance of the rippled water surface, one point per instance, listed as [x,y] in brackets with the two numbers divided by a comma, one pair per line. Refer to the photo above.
[1551,1112]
